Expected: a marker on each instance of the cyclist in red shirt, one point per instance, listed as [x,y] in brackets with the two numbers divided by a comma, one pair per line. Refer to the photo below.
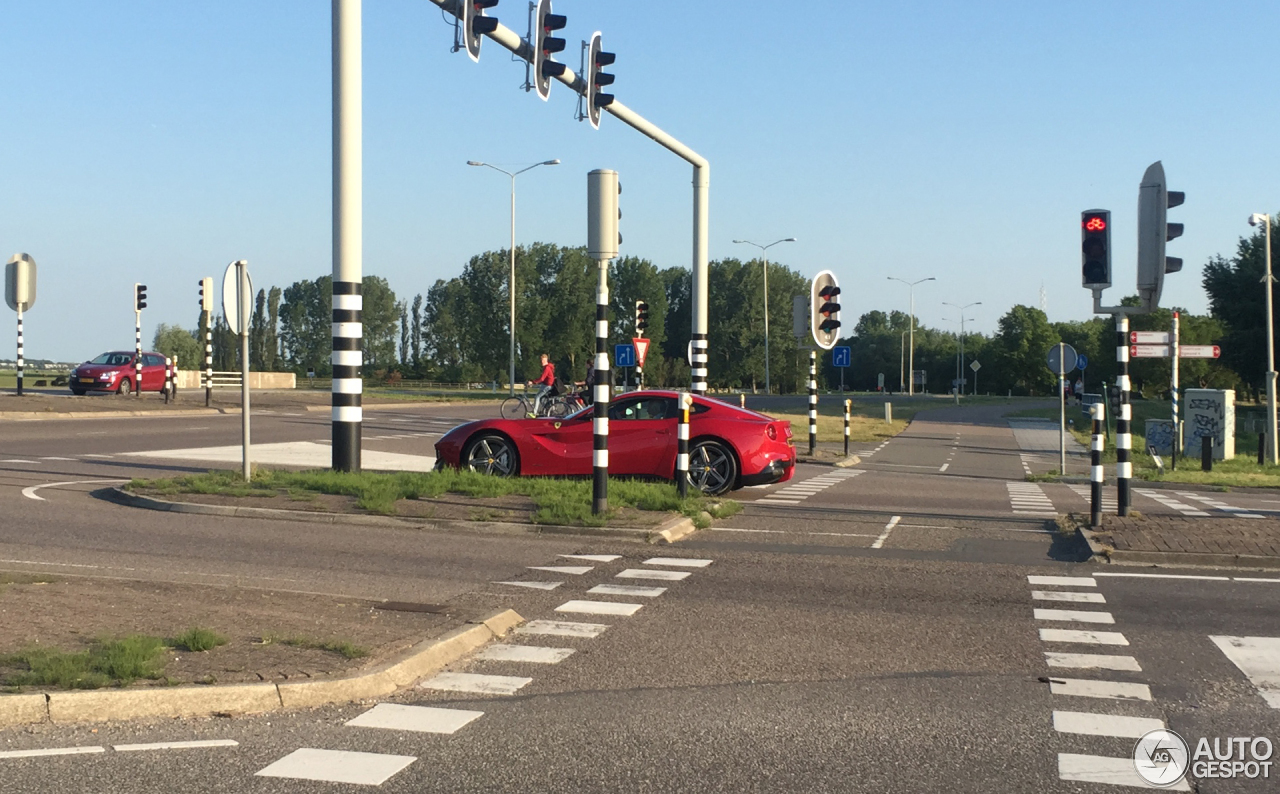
[547,381]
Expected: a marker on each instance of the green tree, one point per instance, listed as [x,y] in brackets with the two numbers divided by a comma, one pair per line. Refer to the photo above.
[180,344]
[1237,299]
[415,341]
[271,335]
[1021,345]
[306,325]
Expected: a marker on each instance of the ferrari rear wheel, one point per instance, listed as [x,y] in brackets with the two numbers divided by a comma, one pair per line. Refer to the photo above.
[492,454]
[712,467]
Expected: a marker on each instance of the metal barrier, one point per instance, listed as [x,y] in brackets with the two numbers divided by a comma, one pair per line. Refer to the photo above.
[225,380]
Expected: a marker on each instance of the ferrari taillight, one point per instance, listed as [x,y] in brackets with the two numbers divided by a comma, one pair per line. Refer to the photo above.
[772,433]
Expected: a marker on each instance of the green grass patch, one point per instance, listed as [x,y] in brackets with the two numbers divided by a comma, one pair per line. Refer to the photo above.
[198,639]
[555,501]
[108,662]
[344,648]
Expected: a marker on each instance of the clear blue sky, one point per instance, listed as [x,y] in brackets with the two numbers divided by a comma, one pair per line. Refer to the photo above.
[157,141]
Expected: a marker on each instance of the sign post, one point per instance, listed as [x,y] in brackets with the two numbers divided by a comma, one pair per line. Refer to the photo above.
[975,366]
[1062,359]
[841,357]
[20,294]
[237,299]
[641,346]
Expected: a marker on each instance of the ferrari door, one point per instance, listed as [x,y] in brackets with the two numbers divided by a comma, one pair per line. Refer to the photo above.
[641,432]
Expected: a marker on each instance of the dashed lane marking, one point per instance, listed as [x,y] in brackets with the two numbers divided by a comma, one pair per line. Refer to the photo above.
[477,683]
[667,576]
[879,542]
[677,562]
[1107,690]
[599,608]
[1168,576]
[524,653]
[133,748]
[562,628]
[30,493]
[51,751]
[1062,581]
[1092,661]
[627,590]
[1068,595]
[1218,504]
[1174,504]
[534,585]
[1104,724]
[420,719]
[338,766]
[1083,637]
[592,557]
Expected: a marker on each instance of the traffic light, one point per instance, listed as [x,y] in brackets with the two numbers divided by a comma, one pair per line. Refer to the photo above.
[475,25]
[825,310]
[545,45]
[642,317]
[139,297]
[206,294]
[1095,248]
[597,59]
[1154,200]
[603,214]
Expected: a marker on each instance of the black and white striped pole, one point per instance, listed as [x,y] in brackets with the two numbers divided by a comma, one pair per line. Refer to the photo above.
[813,401]
[20,294]
[168,379]
[348,329]
[1124,441]
[206,313]
[1097,411]
[682,444]
[602,246]
[139,303]
[847,405]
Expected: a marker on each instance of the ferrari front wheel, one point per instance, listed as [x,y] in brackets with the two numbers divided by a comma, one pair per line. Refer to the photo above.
[712,467]
[492,454]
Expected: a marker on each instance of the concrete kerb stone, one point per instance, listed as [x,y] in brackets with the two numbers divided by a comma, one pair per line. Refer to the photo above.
[1104,553]
[122,704]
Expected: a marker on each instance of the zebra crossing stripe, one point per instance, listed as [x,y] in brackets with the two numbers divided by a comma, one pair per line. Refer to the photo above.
[1063,581]
[420,719]
[524,653]
[599,608]
[1107,690]
[338,766]
[1101,769]
[562,628]
[476,682]
[1092,661]
[1084,637]
[1104,724]
[1074,615]
[1067,595]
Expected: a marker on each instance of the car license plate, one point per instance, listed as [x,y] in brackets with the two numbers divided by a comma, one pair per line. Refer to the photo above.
[86,380]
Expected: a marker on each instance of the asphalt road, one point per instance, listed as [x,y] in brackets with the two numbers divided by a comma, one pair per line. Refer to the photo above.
[871,631]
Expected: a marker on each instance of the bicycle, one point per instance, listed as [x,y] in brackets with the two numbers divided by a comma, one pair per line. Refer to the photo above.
[554,406]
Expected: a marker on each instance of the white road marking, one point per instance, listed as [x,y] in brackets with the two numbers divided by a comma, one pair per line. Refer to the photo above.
[476,682]
[1092,661]
[592,557]
[677,562]
[1076,615]
[57,458]
[1062,581]
[627,590]
[562,628]
[638,573]
[599,608]
[1102,769]
[1253,579]
[1259,659]
[879,542]
[731,529]
[1109,690]
[1104,724]
[573,570]
[1167,501]
[1218,504]
[1068,595]
[51,751]
[532,585]
[524,653]
[30,493]
[88,455]
[776,502]
[1166,576]
[16,460]
[944,467]
[129,748]
[420,719]
[1086,637]
[305,454]
[338,766]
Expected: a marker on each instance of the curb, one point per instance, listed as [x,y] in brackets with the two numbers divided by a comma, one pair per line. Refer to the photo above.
[1105,554]
[839,463]
[22,416]
[669,531]
[192,701]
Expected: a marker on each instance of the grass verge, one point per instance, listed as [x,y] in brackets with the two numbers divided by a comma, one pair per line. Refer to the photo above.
[344,648]
[556,501]
[197,639]
[108,662]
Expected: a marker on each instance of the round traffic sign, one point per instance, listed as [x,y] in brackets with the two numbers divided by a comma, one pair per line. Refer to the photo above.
[1082,361]
[1062,358]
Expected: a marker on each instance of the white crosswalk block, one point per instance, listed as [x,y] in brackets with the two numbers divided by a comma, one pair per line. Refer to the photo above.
[1074,615]
[1092,661]
[599,608]
[677,562]
[656,573]
[421,719]
[338,766]
[1104,724]
[1168,501]
[1067,595]
[1027,498]
[1218,504]
[476,682]
[562,628]
[534,585]
[1087,637]
[1101,769]
[532,654]
[627,590]
[1107,690]
[1063,581]
[573,570]
[592,557]
[1259,659]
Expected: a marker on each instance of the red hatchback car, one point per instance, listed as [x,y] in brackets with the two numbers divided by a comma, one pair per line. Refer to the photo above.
[115,372]
[729,447]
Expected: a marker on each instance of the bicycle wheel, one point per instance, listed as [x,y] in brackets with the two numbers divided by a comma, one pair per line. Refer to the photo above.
[514,408]
[559,407]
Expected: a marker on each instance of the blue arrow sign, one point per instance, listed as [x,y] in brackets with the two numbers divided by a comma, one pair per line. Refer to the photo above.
[624,355]
[841,356]
[1082,361]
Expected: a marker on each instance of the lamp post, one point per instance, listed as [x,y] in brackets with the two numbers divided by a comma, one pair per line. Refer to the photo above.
[511,283]
[764,253]
[902,362]
[960,369]
[1258,219]
[911,358]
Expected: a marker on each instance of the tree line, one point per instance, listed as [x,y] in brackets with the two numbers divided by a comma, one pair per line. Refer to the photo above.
[458,330]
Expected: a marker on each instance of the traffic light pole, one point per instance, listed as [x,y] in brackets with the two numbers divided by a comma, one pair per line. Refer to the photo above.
[208,359]
[603,387]
[137,351]
[348,328]
[509,39]
[20,353]
[1124,441]
[813,401]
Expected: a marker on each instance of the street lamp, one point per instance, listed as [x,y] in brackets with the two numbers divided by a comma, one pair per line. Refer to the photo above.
[511,283]
[764,252]
[1258,219]
[911,359]
[960,369]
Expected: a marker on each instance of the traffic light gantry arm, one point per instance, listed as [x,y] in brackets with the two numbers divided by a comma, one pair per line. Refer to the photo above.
[508,38]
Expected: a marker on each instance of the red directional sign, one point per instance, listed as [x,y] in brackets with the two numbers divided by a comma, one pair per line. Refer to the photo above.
[1148,337]
[642,347]
[1148,351]
[1199,351]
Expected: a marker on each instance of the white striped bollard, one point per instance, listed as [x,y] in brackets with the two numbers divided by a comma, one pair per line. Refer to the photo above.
[600,422]
[813,402]
[1097,411]
[20,353]
[742,400]
[1124,441]
[847,405]
[208,359]
[682,444]
[137,354]
[347,360]
[168,378]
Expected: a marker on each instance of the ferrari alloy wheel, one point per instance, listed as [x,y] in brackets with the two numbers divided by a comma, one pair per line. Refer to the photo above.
[712,467]
[492,454]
